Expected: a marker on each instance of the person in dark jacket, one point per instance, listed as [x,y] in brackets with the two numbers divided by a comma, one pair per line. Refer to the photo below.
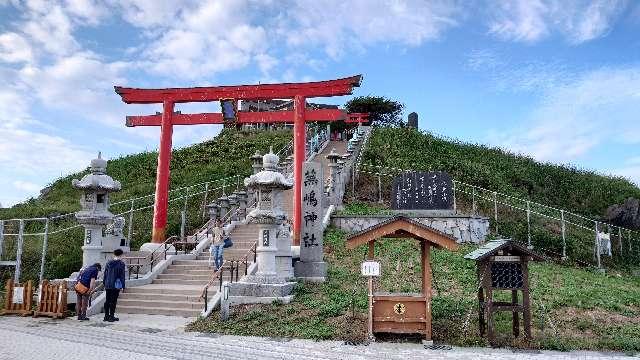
[113,282]
[87,277]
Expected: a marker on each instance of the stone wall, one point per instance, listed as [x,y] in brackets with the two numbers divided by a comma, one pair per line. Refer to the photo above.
[465,228]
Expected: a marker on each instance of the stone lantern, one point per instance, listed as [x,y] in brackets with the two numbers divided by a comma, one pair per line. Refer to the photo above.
[233,206]
[223,203]
[242,197]
[95,215]
[214,212]
[333,158]
[268,186]
[256,166]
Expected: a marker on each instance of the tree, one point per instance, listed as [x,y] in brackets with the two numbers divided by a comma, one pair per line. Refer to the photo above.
[382,111]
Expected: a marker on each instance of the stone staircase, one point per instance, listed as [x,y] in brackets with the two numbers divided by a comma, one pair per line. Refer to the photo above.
[177,290]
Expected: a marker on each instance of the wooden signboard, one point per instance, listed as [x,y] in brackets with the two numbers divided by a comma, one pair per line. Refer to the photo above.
[401,313]
[18,298]
[422,191]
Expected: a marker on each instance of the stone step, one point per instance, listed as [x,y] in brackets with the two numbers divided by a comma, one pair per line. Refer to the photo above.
[190,262]
[159,311]
[164,289]
[159,297]
[189,267]
[188,271]
[202,277]
[181,282]
[156,303]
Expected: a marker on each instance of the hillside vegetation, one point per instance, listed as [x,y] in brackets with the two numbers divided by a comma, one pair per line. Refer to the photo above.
[226,155]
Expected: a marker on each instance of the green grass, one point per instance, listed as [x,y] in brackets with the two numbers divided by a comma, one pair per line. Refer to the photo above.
[589,310]
[226,155]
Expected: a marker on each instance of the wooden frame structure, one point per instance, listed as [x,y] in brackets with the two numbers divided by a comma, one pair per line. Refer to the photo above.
[403,313]
[52,301]
[502,265]
[10,307]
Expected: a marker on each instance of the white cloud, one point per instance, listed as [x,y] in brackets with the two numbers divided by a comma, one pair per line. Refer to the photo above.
[599,107]
[533,20]
[338,25]
[26,186]
[14,48]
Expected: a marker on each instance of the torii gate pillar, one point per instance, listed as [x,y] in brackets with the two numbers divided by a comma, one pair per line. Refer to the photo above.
[162,174]
[299,144]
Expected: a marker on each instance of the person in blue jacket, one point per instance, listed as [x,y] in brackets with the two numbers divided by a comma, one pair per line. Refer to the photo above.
[113,282]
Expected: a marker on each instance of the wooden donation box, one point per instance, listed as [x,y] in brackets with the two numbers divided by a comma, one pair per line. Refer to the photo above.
[402,313]
[502,265]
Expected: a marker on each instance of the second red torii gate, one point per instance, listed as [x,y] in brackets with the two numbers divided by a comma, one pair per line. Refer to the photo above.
[299,92]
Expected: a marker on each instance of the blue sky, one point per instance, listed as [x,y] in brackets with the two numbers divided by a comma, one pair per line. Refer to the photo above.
[556,80]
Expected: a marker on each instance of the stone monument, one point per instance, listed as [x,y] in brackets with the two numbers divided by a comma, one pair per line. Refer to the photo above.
[311,266]
[422,191]
[412,121]
[99,242]
[273,251]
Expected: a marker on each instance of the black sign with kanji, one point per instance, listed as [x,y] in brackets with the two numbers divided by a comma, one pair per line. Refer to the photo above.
[422,191]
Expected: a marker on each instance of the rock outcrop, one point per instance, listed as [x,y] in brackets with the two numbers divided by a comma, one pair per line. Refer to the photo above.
[626,214]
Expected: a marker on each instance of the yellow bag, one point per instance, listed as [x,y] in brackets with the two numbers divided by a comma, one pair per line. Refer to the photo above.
[81,289]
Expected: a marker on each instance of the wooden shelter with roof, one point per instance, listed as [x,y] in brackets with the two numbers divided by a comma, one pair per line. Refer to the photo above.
[404,313]
[503,265]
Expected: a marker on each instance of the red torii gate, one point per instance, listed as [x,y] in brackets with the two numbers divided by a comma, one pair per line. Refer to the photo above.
[299,92]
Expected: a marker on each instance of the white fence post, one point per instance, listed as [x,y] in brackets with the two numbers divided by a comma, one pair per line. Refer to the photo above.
[16,276]
[380,189]
[529,225]
[130,230]
[495,209]
[455,205]
[473,200]
[204,202]
[564,239]
[598,246]
[44,248]
[620,239]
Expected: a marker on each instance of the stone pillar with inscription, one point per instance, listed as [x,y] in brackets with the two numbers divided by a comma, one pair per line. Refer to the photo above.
[99,242]
[311,266]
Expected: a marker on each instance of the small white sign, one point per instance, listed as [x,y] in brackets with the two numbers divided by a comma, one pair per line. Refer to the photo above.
[18,295]
[370,268]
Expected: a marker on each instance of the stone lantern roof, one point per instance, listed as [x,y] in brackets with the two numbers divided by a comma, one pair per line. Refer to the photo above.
[97,179]
[269,177]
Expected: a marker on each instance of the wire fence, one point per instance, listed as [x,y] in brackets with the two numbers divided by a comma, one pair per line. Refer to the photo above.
[560,233]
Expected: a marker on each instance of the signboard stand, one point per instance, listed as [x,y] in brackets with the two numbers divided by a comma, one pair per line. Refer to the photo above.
[370,269]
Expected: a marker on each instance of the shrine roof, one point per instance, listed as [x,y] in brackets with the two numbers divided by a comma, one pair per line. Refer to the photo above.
[491,248]
[401,226]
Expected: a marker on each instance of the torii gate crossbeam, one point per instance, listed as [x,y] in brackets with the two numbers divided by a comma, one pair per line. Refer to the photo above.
[168,97]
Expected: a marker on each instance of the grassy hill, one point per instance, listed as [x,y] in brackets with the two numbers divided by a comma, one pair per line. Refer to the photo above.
[516,177]
[226,155]
[572,308]
[583,191]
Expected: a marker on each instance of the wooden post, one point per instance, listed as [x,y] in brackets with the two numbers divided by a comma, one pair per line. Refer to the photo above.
[426,286]
[526,309]
[481,304]
[370,255]
[516,318]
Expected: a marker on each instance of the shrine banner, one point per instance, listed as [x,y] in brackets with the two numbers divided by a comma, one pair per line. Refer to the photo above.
[422,191]
[311,229]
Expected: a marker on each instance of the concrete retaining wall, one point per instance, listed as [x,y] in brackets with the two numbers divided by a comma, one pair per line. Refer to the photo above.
[465,228]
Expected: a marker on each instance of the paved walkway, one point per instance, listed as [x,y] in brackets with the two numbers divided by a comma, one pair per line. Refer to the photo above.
[147,337]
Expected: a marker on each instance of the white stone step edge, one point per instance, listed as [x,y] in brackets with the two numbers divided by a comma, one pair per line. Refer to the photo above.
[215,299]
